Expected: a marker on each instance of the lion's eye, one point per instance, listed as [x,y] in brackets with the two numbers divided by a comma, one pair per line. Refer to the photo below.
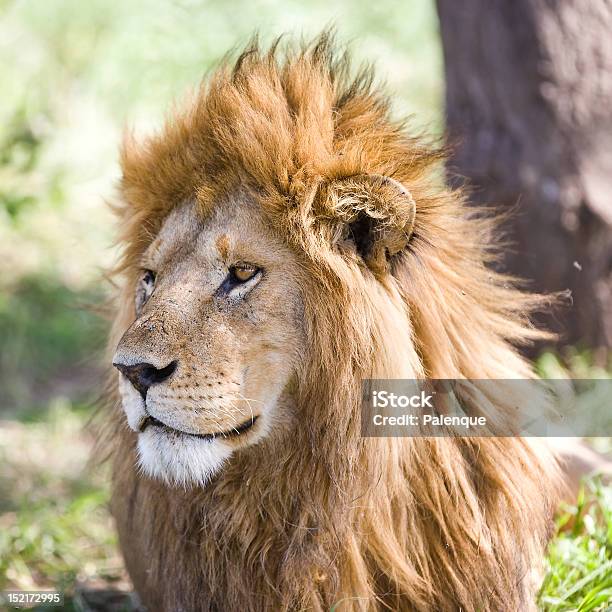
[148,278]
[243,273]
[144,289]
[241,279]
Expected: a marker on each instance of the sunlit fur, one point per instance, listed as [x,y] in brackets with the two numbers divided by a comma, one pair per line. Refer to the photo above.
[316,514]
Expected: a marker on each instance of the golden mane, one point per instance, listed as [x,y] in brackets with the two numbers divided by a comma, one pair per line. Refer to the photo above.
[325,515]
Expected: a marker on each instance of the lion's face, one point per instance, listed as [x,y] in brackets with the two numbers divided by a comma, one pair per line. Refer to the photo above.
[217,338]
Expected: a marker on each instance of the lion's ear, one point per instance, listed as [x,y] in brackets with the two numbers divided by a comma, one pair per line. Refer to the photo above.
[378,214]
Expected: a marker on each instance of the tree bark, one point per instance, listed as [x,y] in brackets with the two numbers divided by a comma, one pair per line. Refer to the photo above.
[529,108]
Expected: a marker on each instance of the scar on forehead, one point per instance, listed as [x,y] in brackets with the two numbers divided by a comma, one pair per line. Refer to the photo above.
[223,245]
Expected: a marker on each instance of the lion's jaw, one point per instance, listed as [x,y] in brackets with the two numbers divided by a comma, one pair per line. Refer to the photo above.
[233,349]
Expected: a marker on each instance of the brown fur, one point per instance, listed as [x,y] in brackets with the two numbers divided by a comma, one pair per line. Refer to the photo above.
[319,515]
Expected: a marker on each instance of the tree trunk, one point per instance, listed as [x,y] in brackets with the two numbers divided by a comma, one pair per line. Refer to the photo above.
[529,107]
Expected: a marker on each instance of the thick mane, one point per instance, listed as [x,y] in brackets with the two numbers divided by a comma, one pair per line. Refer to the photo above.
[324,514]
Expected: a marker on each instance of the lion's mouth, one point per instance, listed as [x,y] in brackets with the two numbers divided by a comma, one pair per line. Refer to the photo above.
[233,432]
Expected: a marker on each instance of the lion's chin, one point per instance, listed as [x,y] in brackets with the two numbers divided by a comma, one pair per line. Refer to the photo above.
[177,460]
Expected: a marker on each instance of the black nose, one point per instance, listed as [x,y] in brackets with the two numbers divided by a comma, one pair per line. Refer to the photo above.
[143,375]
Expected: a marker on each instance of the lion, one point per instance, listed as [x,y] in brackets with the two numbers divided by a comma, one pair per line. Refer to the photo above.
[285,238]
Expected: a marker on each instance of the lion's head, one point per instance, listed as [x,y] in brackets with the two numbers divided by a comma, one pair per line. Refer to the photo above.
[284,239]
[218,337]
[221,327]
[220,334]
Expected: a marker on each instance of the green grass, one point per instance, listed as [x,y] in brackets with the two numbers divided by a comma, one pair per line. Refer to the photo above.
[579,559]
[55,528]
[50,543]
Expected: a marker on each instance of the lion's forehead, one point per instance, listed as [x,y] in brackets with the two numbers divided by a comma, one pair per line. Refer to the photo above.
[235,228]
[180,226]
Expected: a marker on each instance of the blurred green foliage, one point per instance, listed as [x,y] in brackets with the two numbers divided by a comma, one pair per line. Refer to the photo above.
[50,335]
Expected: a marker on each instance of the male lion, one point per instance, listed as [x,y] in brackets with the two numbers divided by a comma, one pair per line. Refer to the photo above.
[284,239]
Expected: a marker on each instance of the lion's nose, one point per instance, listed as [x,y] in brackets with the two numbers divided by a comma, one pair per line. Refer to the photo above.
[143,375]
